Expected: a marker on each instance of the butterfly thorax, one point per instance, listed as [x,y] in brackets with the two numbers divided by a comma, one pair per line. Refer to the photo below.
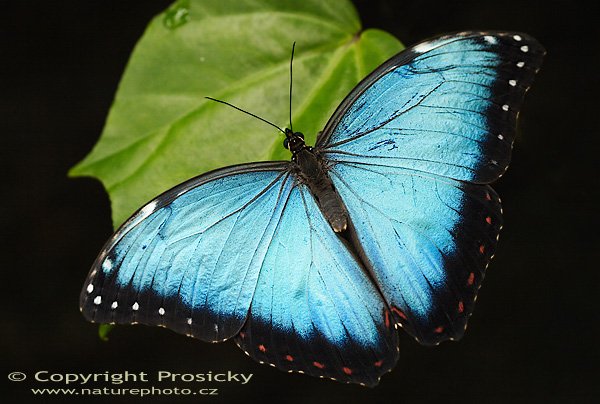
[312,172]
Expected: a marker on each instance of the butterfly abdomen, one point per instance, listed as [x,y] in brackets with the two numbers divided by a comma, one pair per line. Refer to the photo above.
[314,175]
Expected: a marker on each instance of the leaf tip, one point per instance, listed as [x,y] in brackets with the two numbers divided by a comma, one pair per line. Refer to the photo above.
[104,330]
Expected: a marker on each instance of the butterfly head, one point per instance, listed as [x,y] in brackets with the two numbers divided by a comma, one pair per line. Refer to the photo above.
[294,141]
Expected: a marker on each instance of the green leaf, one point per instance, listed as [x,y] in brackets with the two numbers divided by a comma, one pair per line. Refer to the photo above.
[161,130]
[104,330]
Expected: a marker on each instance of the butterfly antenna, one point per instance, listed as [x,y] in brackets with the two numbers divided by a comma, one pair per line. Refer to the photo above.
[246,112]
[291,81]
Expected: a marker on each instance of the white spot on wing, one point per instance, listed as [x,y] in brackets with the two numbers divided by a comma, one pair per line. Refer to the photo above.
[520,64]
[161,311]
[500,137]
[517,38]
[512,82]
[107,265]
[524,48]
[189,321]
[490,39]
[135,306]
[97,300]
[114,305]
[90,288]
[505,107]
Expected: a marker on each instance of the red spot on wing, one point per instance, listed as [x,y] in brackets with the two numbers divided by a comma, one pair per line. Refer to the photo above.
[289,358]
[262,348]
[482,249]
[242,335]
[488,220]
[318,365]
[387,318]
[461,307]
[378,363]
[347,371]
[487,196]
[471,279]
[399,312]
[439,329]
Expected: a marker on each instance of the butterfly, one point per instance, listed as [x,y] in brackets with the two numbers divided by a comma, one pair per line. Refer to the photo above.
[311,265]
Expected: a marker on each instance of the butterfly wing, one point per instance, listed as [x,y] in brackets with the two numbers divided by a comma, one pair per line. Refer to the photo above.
[189,259]
[246,248]
[411,150]
[447,106]
[428,239]
[314,309]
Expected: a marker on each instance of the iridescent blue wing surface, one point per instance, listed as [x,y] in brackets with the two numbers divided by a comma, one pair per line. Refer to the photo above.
[315,310]
[411,151]
[246,248]
[189,260]
[428,240]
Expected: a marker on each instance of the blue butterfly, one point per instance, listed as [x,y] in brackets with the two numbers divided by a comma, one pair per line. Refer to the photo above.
[311,265]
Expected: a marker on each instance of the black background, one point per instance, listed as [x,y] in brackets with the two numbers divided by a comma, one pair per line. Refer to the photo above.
[533,335]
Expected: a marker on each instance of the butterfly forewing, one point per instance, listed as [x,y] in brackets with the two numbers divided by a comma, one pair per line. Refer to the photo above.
[189,260]
[447,106]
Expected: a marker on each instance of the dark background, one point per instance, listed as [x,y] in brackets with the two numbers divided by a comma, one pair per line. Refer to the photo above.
[533,336]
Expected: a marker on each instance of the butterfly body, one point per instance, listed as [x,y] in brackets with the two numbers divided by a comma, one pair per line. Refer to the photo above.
[254,253]
[311,170]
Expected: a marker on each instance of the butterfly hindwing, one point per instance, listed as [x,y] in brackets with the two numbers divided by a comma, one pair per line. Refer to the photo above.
[410,151]
[428,239]
[314,309]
